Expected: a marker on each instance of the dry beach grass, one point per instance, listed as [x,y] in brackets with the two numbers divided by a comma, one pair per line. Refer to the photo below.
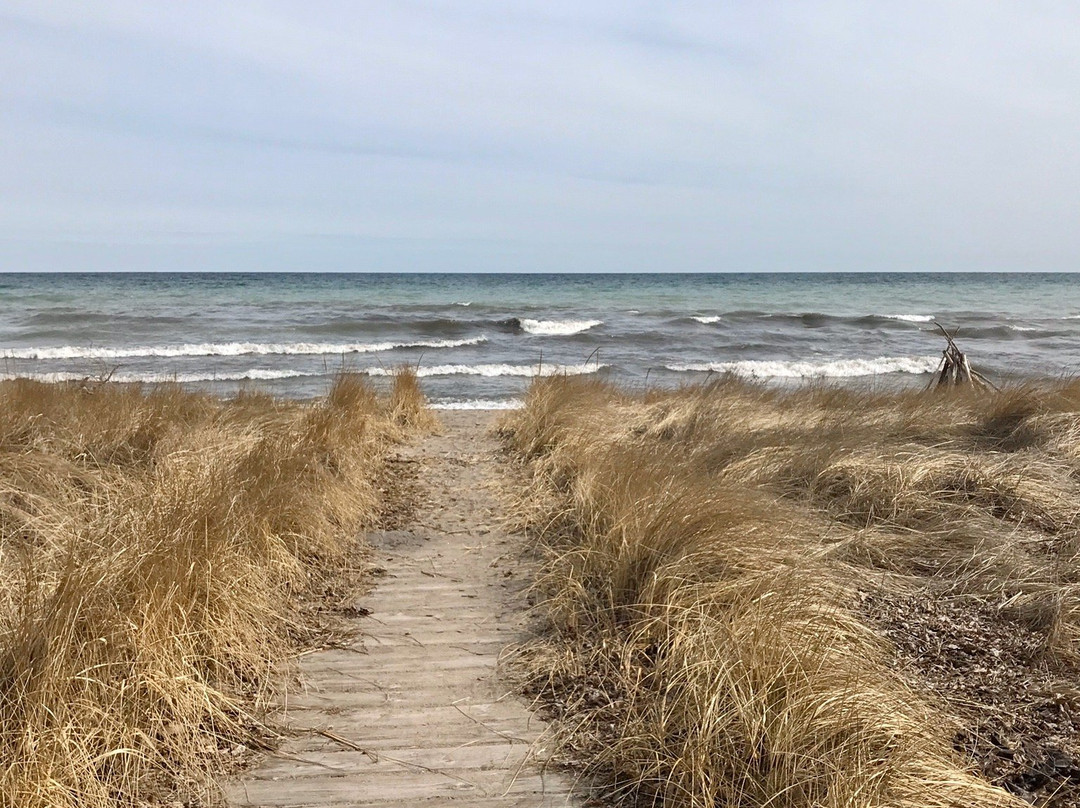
[160,552]
[813,597]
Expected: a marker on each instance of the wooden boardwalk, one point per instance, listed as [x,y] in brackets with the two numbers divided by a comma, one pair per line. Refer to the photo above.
[415,713]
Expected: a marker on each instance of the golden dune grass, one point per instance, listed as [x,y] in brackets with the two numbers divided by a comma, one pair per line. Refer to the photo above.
[729,567]
[156,548]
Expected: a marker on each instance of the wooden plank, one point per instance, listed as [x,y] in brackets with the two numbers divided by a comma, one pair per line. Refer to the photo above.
[414,712]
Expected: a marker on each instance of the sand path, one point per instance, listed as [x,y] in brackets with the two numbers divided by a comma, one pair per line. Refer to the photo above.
[414,713]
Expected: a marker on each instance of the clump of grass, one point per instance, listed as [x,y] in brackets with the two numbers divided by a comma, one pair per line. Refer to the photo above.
[156,547]
[736,572]
[408,404]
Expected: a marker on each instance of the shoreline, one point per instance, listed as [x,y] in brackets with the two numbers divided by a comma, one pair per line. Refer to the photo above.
[473,340]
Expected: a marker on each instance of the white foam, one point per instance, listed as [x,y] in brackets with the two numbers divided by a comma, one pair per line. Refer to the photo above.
[1023,328]
[492,370]
[707,320]
[260,374]
[229,349]
[834,368]
[480,404]
[255,374]
[560,328]
[51,378]
[910,318]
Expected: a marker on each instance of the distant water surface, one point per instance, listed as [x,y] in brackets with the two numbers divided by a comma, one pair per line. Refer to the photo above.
[477,339]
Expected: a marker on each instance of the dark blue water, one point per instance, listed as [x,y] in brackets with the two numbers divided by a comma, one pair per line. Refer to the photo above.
[478,338]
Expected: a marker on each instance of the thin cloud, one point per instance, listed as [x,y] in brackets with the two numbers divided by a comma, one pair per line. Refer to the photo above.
[549,136]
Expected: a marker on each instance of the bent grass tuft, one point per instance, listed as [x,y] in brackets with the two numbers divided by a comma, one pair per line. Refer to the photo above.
[759,597]
[157,550]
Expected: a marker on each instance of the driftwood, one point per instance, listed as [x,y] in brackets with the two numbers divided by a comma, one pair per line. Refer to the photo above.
[954,370]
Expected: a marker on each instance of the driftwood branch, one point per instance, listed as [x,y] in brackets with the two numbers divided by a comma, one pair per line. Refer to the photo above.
[955,370]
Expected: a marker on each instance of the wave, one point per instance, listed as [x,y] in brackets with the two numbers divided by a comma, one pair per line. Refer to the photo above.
[556,328]
[1009,331]
[480,404]
[807,319]
[255,374]
[810,319]
[909,318]
[69,315]
[707,320]
[493,370]
[261,374]
[229,349]
[805,369]
[816,319]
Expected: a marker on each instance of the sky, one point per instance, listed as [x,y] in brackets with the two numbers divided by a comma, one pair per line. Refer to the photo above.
[475,135]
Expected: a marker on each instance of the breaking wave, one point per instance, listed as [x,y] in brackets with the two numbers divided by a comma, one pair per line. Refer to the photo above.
[230,349]
[557,328]
[817,319]
[708,320]
[834,369]
[256,374]
[492,370]
[480,404]
[910,318]
[260,374]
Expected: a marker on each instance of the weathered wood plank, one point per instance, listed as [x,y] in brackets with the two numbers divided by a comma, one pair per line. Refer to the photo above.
[414,712]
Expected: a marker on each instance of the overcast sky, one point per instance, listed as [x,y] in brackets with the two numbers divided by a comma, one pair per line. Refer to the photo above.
[493,135]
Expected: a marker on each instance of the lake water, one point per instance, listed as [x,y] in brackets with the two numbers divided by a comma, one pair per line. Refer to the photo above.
[477,339]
